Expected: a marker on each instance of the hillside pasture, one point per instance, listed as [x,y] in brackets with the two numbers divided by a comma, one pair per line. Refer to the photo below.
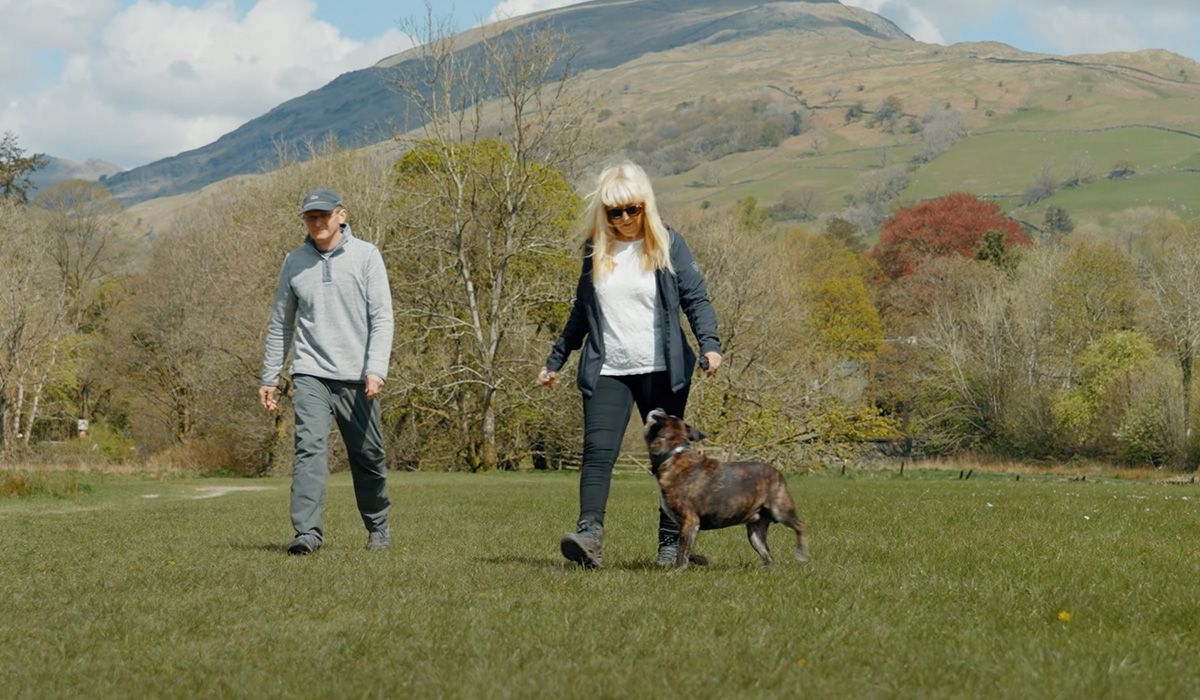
[1002,165]
[921,585]
[998,165]
[1103,199]
[767,174]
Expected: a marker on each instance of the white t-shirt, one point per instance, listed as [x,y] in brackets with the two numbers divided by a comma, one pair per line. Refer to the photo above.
[629,314]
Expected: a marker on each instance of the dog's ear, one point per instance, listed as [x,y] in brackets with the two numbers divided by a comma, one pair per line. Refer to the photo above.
[693,435]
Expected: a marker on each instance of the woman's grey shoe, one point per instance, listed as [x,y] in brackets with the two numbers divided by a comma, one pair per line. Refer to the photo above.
[583,545]
[304,543]
[668,552]
[378,540]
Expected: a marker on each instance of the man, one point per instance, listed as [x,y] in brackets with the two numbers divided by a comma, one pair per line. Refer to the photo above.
[333,298]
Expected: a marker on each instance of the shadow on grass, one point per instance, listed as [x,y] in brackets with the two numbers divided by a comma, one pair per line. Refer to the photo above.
[539,562]
[273,547]
[646,565]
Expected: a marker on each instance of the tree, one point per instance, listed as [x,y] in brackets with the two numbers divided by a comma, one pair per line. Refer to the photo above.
[85,223]
[1094,291]
[1044,185]
[846,233]
[1057,222]
[941,128]
[749,214]
[32,323]
[1108,413]
[1122,169]
[961,358]
[83,227]
[798,329]
[484,253]
[875,190]
[1081,170]
[888,113]
[797,203]
[949,225]
[1168,263]
[15,168]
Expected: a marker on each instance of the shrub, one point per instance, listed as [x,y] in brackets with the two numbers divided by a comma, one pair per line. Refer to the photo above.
[23,484]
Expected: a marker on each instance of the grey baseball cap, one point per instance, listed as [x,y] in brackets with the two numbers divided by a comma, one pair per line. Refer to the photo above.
[320,200]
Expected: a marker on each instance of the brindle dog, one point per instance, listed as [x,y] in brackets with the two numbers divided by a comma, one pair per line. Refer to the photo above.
[702,493]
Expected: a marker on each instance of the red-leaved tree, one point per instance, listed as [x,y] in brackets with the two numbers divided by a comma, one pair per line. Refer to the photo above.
[950,225]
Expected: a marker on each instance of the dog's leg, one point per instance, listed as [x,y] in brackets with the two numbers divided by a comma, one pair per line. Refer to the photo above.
[756,530]
[794,522]
[784,513]
[689,525]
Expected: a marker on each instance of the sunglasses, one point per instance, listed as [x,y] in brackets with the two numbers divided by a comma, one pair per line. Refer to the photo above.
[631,211]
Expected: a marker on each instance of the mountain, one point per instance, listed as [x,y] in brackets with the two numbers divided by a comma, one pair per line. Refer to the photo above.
[359,108]
[689,89]
[58,169]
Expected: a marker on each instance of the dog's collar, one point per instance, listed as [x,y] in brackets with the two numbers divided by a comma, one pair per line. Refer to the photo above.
[656,462]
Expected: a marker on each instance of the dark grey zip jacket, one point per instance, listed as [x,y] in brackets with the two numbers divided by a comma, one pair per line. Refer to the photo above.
[683,290]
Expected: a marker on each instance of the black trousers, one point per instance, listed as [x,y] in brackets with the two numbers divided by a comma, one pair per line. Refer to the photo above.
[605,415]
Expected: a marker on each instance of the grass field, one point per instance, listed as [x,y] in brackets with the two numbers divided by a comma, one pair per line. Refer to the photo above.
[973,164]
[922,586]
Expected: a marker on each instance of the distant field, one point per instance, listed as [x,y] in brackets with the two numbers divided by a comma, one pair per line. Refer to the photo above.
[922,585]
[1177,192]
[766,175]
[1007,163]
[998,165]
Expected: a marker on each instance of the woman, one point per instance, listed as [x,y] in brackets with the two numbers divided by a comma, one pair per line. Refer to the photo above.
[637,276]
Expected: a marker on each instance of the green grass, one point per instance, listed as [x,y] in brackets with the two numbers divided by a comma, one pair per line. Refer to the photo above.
[920,586]
[998,164]
[1007,163]
[767,174]
[1101,200]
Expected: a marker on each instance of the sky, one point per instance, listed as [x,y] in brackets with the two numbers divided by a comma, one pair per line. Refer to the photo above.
[133,81]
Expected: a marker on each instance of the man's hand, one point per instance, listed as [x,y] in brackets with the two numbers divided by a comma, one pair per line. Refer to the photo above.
[373,385]
[710,362]
[268,398]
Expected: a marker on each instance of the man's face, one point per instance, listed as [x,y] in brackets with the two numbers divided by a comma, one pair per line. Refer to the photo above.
[324,227]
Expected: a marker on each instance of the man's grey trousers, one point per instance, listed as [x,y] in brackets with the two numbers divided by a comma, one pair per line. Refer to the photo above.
[317,401]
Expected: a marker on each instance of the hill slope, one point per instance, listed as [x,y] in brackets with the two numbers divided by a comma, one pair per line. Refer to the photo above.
[1024,116]
[58,169]
[359,108]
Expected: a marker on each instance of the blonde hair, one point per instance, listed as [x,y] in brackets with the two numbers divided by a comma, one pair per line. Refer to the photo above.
[617,186]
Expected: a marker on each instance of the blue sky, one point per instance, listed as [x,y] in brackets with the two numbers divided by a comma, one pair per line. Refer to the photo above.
[132,81]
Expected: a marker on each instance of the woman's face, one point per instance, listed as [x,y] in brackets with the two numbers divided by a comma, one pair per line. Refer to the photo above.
[626,220]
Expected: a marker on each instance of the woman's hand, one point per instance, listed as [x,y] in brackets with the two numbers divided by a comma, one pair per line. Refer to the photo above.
[268,397]
[547,377]
[711,363]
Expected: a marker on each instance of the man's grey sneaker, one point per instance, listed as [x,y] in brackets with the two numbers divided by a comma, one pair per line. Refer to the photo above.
[668,552]
[304,543]
[378,540]
[583,545]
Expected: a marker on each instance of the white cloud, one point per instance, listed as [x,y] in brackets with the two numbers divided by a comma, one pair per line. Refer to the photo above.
[516,8]
[155,79]
[1055,26]
[905,15]
[1095,29]
[54,25]
[145,79]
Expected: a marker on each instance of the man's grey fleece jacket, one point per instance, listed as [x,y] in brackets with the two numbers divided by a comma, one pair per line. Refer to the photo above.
[338,306]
